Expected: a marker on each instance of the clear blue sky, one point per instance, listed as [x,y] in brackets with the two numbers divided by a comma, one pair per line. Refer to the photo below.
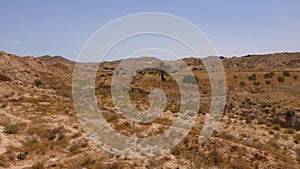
[61,27]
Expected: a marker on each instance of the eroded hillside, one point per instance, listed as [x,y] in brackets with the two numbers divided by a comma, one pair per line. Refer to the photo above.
[259,128]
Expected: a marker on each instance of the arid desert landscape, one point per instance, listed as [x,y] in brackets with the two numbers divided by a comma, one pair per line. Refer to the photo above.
[259,128]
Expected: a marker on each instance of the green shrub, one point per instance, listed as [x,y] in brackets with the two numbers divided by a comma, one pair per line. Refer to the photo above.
[175,151]
[252,77]
[269,75]
[242,84]
[265,104]
[280,79]
[295,77]
[286,73]
[189,79]
[268,82]
[289,115]
[37,82]
[11,129]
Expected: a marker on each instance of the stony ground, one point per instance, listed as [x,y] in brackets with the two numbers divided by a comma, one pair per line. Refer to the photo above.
[259,128]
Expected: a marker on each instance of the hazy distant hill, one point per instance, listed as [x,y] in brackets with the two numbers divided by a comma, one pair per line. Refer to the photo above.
[48,58]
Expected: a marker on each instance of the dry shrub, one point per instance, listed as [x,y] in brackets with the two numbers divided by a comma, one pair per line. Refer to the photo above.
[215,157]
[11,129]
[239,164]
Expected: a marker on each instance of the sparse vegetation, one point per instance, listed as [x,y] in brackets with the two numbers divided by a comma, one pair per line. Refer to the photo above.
[268,82]
[37,82]
[269,75]
[286,73]
[175,151]
[289,131]
[242,84]
[11,129]
[266,104]
[289,115]
[38,165]
[252,77]
[3,162]
[175,109]
[215,157]
[239,164]
[259,127]
[280,79]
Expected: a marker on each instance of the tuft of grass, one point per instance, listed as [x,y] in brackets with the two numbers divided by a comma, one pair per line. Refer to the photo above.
[3,162]
[276,127]
[11,129]
[239,164]
[38,165]
[215,157]
[289,131]
[175,109]
[261,121]
[175,151]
